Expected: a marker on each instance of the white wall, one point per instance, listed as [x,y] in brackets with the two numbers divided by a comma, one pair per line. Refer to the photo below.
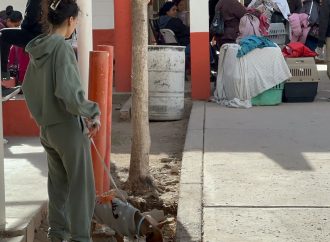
[199,16]
[17,4]
[103,14]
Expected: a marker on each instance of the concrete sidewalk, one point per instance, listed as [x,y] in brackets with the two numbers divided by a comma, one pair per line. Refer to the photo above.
[26,185]
[259,174]
[26,188]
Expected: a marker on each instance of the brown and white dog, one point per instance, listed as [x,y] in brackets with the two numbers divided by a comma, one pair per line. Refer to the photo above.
[127,221]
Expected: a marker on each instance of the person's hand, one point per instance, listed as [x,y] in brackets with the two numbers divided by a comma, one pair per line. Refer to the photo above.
[93,125]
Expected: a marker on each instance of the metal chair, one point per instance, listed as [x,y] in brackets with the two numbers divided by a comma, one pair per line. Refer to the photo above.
[169,37]
[153,22]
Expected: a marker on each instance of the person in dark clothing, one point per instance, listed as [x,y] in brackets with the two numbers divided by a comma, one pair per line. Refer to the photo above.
[168,20]
[212,4]
[232,11]
[4,13]
[13,20]
[295,6]
[30,28]
[324,29]
[324,24]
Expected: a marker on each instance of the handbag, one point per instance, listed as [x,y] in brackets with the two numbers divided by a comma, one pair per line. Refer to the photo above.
[217,26]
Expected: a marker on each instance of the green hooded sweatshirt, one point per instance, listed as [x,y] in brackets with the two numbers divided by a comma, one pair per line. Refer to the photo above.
[52,85]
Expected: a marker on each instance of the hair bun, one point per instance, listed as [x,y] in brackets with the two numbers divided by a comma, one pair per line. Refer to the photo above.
[9,11]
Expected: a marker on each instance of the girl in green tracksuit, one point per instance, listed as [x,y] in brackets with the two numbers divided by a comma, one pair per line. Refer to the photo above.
[56,101]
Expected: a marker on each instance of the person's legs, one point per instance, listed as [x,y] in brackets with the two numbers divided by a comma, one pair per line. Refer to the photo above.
[74,149]
[9,37]
[311,43]
[57,192]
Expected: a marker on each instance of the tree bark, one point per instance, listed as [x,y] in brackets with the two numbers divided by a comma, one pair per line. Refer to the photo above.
[139,163]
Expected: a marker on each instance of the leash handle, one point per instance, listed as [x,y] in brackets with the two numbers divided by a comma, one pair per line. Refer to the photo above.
[107,171]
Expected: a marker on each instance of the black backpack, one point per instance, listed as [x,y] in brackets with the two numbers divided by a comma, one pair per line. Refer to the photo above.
[218,25]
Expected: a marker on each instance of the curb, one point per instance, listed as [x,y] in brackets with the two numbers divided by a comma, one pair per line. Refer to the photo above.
[189,217]
[23,230]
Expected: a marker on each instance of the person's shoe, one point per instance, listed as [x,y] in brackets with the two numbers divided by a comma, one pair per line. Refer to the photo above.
[5,75]
[321,54]
[8,93]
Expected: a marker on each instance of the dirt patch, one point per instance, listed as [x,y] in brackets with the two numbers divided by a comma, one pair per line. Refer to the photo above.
[167,142]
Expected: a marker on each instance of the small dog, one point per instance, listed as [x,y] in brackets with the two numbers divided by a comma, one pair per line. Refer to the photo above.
[127,221]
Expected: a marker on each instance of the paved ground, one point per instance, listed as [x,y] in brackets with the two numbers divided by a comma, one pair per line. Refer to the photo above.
[25,184]
[260,174]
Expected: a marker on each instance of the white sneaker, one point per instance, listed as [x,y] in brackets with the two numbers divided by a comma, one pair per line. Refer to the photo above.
[321,54]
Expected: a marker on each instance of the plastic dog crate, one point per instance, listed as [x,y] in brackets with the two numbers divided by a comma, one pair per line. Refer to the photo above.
[299,92]
[303,69]
[302,87]
[270,97]
[277,33]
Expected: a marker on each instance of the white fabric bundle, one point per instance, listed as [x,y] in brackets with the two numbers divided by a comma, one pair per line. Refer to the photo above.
[241,79]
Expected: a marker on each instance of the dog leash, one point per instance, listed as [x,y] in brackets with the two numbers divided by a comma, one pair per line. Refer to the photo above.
[107,171]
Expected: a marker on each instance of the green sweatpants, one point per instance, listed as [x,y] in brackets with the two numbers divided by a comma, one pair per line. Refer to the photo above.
[71,188]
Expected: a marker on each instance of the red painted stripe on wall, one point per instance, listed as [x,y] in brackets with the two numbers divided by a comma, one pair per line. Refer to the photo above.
[200,66]
[103,37]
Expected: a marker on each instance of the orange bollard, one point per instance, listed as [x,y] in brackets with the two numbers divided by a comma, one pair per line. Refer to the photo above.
[98,92]
[109,49]
[123,40]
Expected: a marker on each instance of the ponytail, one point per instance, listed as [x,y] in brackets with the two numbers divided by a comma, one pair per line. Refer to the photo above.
[55,12]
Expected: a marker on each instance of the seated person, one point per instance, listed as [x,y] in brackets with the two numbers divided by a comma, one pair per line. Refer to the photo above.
[13,19]
[181,11]
[4,13]
[30,28]
[232,11]
[168,20]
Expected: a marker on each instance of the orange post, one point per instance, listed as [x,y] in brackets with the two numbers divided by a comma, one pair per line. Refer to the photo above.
[200,66]
[123,43]
[98,92]
[109,49]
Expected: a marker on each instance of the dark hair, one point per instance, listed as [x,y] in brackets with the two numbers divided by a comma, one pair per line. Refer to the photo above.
[9,10]
[165,8]
[15,16]
[55,12]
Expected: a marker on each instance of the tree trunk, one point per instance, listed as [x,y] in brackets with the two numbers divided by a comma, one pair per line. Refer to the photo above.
[139,163]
